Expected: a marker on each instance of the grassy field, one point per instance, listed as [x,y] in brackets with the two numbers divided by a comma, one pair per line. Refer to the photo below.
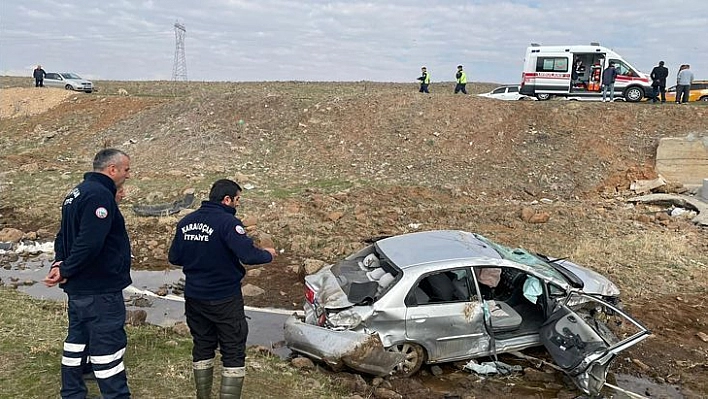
[158,361]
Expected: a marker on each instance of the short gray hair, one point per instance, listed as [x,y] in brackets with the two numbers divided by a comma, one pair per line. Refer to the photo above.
[106,157]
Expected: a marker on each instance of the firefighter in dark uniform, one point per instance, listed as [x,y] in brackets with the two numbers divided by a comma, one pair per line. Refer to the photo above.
[211,245]
[92,265]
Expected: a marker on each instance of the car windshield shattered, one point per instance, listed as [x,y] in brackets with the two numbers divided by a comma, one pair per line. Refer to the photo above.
[524,257]
[445,295]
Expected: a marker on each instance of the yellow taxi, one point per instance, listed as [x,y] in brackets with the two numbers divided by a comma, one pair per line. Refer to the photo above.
[699,91]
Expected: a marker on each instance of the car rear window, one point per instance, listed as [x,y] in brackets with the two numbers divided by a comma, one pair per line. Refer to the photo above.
[365,278]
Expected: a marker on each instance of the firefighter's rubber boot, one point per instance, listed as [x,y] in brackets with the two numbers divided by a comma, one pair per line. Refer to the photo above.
[203,377]
[232,382]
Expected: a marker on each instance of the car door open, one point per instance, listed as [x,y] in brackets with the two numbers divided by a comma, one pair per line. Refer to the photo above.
[584,334]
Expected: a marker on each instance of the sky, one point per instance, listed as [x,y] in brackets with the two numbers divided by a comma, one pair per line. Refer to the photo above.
[352,40]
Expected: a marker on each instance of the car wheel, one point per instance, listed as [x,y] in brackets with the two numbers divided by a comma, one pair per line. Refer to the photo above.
[634,94]
[414,357]
[68,87]
[704,98]
[543,96]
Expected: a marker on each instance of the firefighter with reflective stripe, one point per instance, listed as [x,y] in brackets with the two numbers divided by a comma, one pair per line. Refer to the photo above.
[461,77]
[424,80]
[211,245]
[92,265]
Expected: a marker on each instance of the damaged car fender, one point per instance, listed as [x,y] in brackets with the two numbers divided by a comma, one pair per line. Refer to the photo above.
[359,350]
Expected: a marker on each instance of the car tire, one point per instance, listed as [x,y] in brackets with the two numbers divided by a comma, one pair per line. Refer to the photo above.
[69,87]
[414,358]
[543,96]
[634,94]
[704,98]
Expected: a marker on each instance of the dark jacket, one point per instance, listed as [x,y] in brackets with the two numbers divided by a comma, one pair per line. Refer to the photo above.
[39,73]
[92,242]
[659,75]
[609,75]
[211,245]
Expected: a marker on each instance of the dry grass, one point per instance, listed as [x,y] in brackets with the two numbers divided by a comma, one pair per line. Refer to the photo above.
[648,263]
[157,360]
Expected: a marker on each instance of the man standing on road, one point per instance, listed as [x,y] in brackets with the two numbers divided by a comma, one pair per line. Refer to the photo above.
[211,245]
[683,84]
[608,82]
[424,80]
[92,265]
[658,79]
[38,75]
[461,77]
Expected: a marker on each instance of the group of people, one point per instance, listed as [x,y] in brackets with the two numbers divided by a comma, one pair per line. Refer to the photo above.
[92,266]
[658,75]
[684,79]
[460,79]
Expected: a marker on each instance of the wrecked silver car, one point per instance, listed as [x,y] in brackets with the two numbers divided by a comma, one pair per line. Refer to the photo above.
[441,296]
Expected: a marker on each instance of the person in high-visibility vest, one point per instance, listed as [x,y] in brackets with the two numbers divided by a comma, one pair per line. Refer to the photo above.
[424,80]
[461,77]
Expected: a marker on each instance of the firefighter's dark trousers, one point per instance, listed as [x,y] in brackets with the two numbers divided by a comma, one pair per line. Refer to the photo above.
[96,332]
[221,323]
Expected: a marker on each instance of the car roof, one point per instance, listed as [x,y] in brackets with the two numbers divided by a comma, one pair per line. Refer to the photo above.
[431,246]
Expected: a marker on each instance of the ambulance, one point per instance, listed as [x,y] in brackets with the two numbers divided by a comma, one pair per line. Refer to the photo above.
[575,72]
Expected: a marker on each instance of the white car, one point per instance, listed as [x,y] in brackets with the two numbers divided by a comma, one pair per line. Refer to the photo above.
[506,93]
[68,81]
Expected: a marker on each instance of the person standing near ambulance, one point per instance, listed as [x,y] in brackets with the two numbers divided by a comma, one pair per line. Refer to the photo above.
[211,246]
[609,75]
[658,81]
[92,265]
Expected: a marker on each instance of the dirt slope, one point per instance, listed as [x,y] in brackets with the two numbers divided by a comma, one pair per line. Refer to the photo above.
[333,164]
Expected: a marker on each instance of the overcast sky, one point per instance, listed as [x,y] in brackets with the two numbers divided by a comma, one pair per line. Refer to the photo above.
[319,40]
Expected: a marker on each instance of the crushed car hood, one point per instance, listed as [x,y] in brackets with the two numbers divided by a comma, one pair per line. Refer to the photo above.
[594,283]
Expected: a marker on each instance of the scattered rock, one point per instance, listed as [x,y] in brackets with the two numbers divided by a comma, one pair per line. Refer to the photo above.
[310,266]
[302,363]
[641,364]
[703,336]
[254,272]
[135,318]
[334,216]
[252,290]
[141,302]
[44,233]
[181,328]
[436,371]
[249,220]
[264,240]
[351,382]
[531,374]
[29,282]
[162,291]
[9,234]
[529,215]
[385,393]
[32,236]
